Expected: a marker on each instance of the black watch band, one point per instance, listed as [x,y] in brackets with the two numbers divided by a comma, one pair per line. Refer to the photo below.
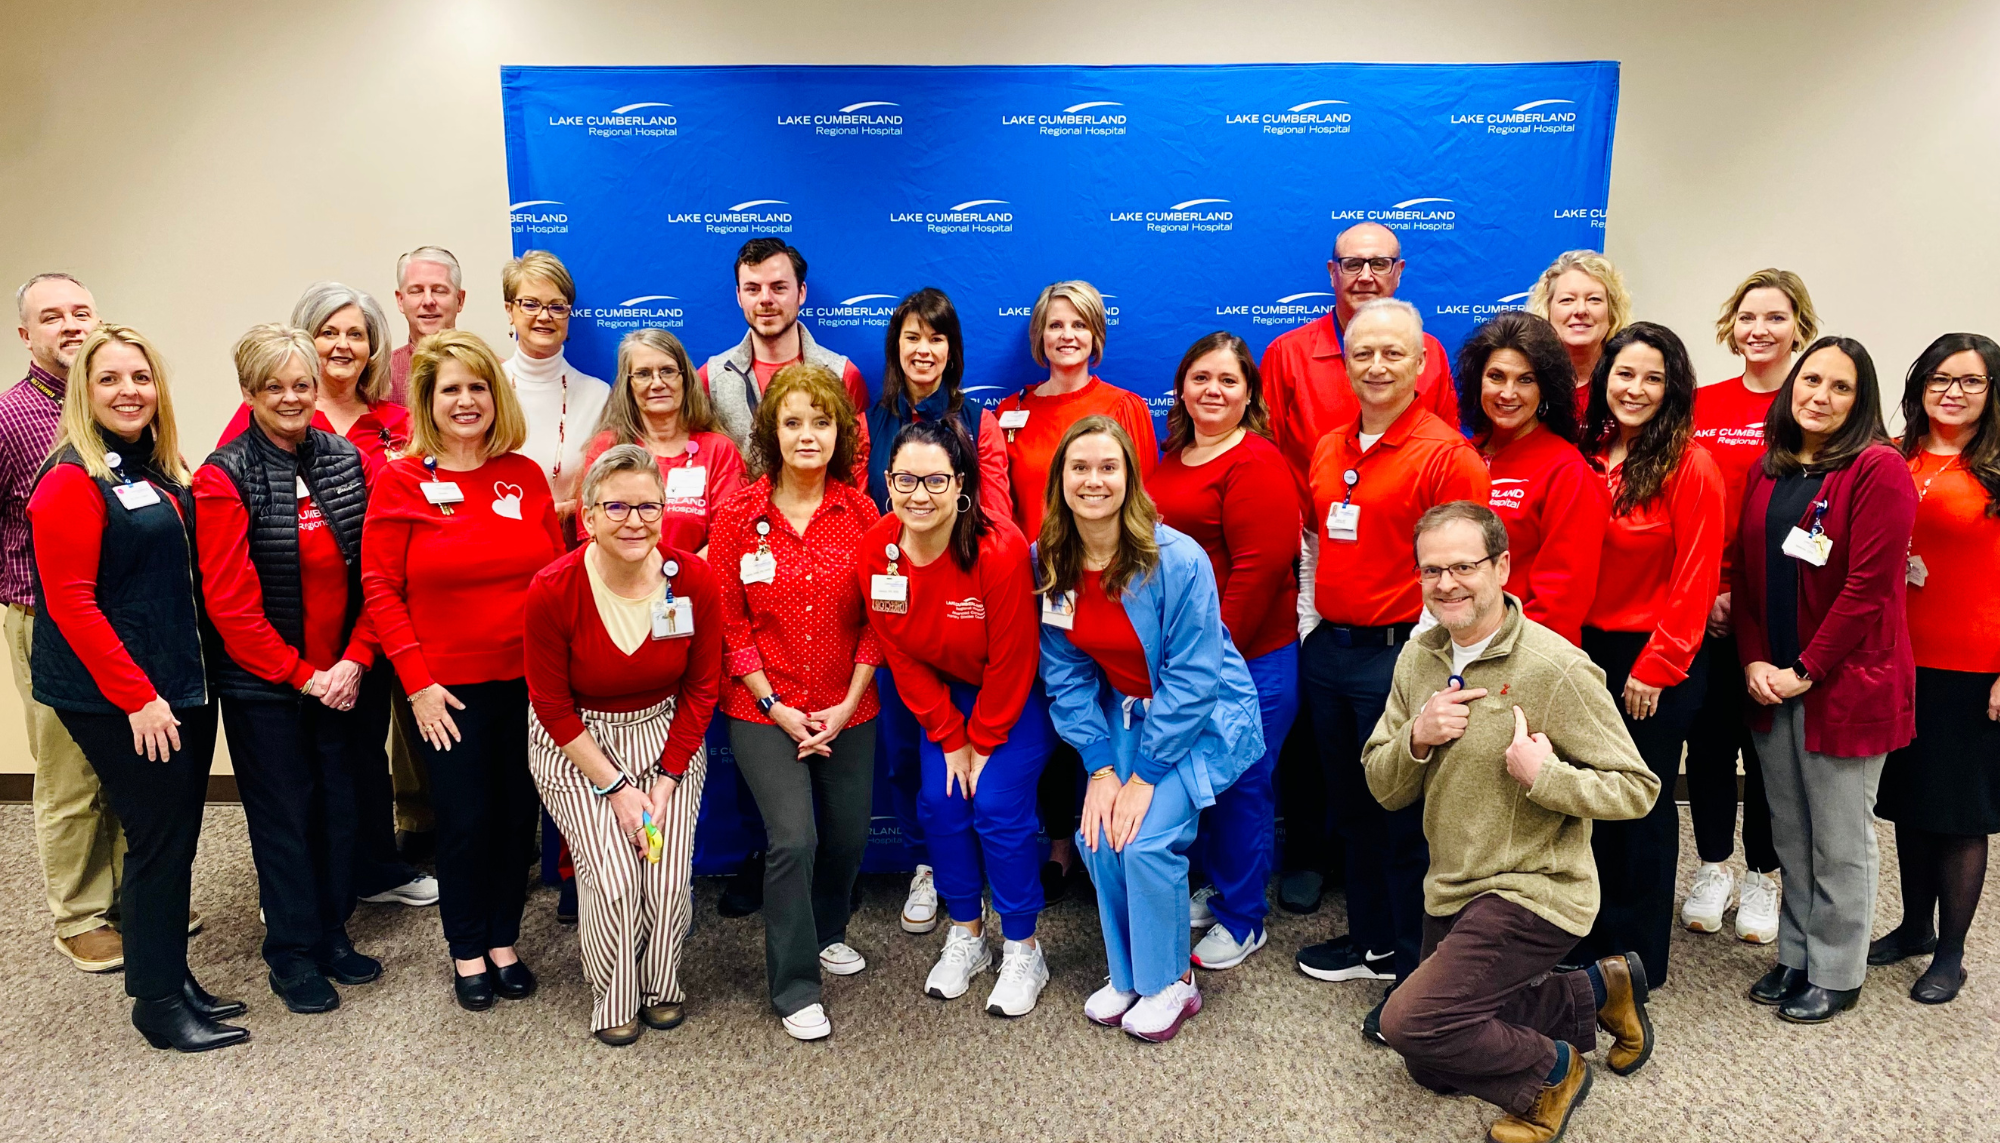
[1799,669]
[765,704]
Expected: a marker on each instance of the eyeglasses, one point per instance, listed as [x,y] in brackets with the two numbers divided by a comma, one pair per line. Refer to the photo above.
[1458,571]
[937,483]
[1971,386]
[1356,265]
[647,376]
[531,307]
[617,511]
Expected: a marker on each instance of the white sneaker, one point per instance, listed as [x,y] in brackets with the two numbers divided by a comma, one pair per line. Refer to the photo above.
[1023,974]
[840,960]
[920,908]
[1107,1006]
[1714,892]
[1219,948]
[1200,914]
[809,1023]
[964,957]
[1757,908]
[419,890]
[1157,1017]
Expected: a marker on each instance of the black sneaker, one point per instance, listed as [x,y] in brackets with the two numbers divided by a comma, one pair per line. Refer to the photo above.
[744,894]
[1338,959]
[1371,1024]
[340,962]
[305,992]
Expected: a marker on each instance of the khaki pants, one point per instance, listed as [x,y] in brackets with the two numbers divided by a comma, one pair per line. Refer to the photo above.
[406,770]
[81,845]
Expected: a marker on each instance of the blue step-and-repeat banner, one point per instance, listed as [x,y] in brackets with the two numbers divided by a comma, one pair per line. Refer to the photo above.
[1195,198]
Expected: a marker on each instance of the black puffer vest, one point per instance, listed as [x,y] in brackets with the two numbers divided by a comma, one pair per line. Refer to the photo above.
[266,478]
[147,588]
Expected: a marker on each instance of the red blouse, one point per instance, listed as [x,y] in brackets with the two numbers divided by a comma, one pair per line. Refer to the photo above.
[1104,632]
[380,433]
[711,462]
[1660,567]
[1554,509]
[806,629]
[1242,508]
[574,666]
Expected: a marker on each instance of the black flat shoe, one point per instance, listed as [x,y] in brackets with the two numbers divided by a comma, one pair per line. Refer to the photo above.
[1817,1005]
[170,1023]
[307,993]
[1778,985]
[1892,947]
[206,1006]
[475,992]
[744,894]
[566,903]
[512,981]
[1937,986]
[343,965]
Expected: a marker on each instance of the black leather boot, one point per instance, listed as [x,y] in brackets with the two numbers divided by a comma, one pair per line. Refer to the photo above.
[170,1023]
[1816,1005]
[211,1007]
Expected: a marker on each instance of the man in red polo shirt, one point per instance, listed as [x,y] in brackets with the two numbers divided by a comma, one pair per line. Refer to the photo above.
[1372,477]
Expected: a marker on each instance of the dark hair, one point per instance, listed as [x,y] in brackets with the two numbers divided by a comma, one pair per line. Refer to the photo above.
[949,435]
[1657,452]
[1982,455]
[1784,440]
[758,251]
[1548,362]
[934,308]
[1491,528]
[1256,416]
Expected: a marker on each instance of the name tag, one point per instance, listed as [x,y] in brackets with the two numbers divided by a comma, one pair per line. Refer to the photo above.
[1060,612]
[673,618]
[302,492]
[889,594]
[687,483]
[1803,545]
[442,492]
[136,496]
[1014,419]
[1343,522]
[758,567]
[1915,572]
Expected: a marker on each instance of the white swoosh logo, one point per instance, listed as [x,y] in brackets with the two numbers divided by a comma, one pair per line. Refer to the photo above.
[636,106]
[869,103]
[1194,202]
[757,202]
[866,297]
[535,202]
[1542,103]
[1087,106]
[1522,296]
[987,389]
[1289,298]
[1415,201]
[648,298]
[981,202]
[1511,480]
[1315,103]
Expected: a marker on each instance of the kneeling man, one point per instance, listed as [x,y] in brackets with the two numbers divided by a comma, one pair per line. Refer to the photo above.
[1507,732]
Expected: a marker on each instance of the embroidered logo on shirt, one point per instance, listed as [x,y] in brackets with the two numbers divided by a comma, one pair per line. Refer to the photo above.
[507,500]
[973,608]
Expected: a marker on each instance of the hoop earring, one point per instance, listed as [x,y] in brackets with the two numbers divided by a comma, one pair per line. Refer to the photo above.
[1542,411]
[964,502]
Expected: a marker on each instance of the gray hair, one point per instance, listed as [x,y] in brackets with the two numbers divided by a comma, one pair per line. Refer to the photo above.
[1390,306]
[21,295]
[321,301]
[619,459]
[437,254]
[1491,528]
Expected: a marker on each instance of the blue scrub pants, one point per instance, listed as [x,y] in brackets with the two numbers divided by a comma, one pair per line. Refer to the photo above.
[897,740]
[998,823]
[1234,844]
[1142,893]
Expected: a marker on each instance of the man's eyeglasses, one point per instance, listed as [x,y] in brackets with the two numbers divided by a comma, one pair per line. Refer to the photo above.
[531,307]
[1971,386]
[617,511]
[1458,571]
[937,483]
[1356,265]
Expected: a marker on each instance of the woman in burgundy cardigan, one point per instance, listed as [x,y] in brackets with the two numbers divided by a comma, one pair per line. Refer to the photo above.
[1818,583]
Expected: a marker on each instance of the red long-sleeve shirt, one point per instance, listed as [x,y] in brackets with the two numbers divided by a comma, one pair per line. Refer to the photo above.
[1729,423]
[1242,508]
[66,517]
[234,596]
[1660,566]
[806,629]
[574,666]
[380,433]
[1103,631]
[447,594]
[1309,394]
[975,627]
[1554,509]
[684,521]
[1032,447]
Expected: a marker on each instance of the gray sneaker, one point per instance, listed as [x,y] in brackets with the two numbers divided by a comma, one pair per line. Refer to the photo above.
[1219,949]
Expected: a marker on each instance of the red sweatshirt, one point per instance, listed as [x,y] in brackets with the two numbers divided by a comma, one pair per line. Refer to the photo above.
[1307,389]
[380,433]
[574,666]
[1554,509]
[711,463]
[1659,568]
[446,594]
[1237,508]
[1104,632]
[1729,423]
[973,627]
[235,597]
[1032,447]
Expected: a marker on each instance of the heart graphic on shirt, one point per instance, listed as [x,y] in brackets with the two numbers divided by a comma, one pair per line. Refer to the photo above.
[507,500]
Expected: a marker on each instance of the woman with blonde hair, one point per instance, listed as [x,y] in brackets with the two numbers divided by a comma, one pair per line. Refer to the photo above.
[350,335]
[1583,296]
[560,404]
[118,655]
[1145,683]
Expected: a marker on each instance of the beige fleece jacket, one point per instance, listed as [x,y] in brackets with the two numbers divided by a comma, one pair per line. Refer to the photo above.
[1488,833]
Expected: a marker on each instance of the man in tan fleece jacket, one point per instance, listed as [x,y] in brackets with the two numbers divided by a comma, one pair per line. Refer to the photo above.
[1507,732]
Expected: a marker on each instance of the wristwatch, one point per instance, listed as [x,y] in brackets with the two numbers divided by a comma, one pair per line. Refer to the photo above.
[765,704]
[1799,669]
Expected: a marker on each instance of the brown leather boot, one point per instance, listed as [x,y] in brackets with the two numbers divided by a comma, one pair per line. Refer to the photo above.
[98,950]
[1624,1013]
[1549,1118]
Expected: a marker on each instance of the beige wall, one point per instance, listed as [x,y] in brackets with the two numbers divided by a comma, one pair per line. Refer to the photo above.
[198,162]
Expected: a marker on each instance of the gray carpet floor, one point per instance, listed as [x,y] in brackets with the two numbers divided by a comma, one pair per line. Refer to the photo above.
[1273,1055]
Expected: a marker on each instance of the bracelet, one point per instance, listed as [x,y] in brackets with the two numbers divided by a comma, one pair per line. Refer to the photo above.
[613,788]
[1104,772]
[666,773]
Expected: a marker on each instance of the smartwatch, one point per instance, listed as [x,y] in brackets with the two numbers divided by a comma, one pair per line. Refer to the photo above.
[765,704]
[1799,669]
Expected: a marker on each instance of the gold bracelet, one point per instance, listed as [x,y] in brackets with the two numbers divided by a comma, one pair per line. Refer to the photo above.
[1111,771]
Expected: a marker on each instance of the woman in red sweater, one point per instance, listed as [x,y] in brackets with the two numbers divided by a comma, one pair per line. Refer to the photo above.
[951,601]
[1517,400]
[624,657]
[456,530]
[801,659]
[1655,582]
[351,337]
[655,402]
[1225,485]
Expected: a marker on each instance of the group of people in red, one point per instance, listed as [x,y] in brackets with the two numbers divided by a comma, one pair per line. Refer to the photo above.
[1031,619]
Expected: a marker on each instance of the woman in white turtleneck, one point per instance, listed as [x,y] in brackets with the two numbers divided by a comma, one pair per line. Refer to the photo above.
[560,401]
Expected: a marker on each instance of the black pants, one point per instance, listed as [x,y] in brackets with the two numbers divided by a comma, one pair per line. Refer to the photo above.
[160,805]
[1637,860]
[295,767]
[377,865]
[1301,782]
[1719,733]
[486,811]
[1387,856]
[1059,793]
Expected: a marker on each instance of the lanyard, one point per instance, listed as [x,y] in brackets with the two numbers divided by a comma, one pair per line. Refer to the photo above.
[562,423]
[431,466]
[43,383]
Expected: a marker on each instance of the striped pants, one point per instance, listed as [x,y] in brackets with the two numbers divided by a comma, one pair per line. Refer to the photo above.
[633,916]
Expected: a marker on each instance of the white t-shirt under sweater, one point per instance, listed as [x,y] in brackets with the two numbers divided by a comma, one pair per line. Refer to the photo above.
[1461,657]
[562,404]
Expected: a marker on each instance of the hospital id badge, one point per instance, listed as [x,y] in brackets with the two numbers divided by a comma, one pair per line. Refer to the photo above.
[673,618]
[687,483]
[1060,612]
[1812,547]
[442,492]
[1014,419]
[1914,571]
[889,594]
[758,567]
[1343,522]
[136,496]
